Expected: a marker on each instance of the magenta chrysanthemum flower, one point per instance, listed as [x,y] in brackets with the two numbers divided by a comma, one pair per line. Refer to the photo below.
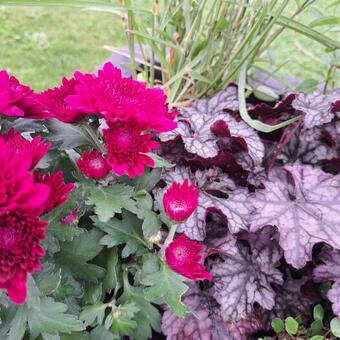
[18,100]
[115,97]
[127,146]
[53,101]
[59,190]
[17,187]
[184,257]
[93,165]
[180,201]
[20,251]
[36,147]
[11,91]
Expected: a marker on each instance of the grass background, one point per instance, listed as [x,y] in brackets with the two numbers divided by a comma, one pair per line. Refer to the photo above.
[40,45]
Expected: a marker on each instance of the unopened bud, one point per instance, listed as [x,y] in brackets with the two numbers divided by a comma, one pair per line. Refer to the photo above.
[155,238]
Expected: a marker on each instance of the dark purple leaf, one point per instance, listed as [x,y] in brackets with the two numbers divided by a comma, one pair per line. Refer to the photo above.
[269,114]
[218,194]
[336,107]
[330,271]
[205,323]
[304,204]
[204,126]
[316,108]
[245,274]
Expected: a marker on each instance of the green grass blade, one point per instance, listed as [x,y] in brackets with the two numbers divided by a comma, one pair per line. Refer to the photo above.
[307,31]
[255,124]
[325,21]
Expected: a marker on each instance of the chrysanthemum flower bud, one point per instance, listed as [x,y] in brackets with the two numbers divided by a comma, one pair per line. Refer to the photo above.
[180,201]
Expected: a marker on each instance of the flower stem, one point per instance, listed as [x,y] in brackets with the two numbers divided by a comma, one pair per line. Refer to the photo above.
[94,137]
[168,240]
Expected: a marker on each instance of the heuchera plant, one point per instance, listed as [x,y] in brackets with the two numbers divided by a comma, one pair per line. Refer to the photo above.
[121,216]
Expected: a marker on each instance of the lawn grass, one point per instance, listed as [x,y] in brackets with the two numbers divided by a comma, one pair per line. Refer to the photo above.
[40,45]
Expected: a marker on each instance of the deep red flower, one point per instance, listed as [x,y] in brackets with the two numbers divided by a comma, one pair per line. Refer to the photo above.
[93,165]
[20,251]
[184,257]
[59,190]
[17,186]
[18,100]
[36,147]
[127,146]
[180,201]
[54,102]
[115,97]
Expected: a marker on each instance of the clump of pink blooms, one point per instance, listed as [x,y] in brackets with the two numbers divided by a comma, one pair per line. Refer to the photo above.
[25,195]
[183,255]
[132,114]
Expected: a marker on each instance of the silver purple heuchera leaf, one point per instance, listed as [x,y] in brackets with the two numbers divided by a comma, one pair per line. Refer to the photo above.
[316,107]
[290,300]
[218,194]
[245,274]
[204,125]
[308,147]
[205,322]
[256,174]
[330,271]
[304,204]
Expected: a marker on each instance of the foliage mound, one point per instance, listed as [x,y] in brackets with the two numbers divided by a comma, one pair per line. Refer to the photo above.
[185,222]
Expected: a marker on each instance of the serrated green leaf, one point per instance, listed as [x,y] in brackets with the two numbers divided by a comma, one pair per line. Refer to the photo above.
[65,232]
[75,254]
[112,279]
[167,286]
[76,336]
[126,231]
[101,333]
[151,222]
[278,325]
[18,324]
[318,312]
[48,279]
[111,200]
[335,327]
[121,319]
[291,325]
[93,293]
[93,313]
[33,293]
[146,182]
[46,336]
[67,136]
[148,316]
[69,287]
[52,318]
